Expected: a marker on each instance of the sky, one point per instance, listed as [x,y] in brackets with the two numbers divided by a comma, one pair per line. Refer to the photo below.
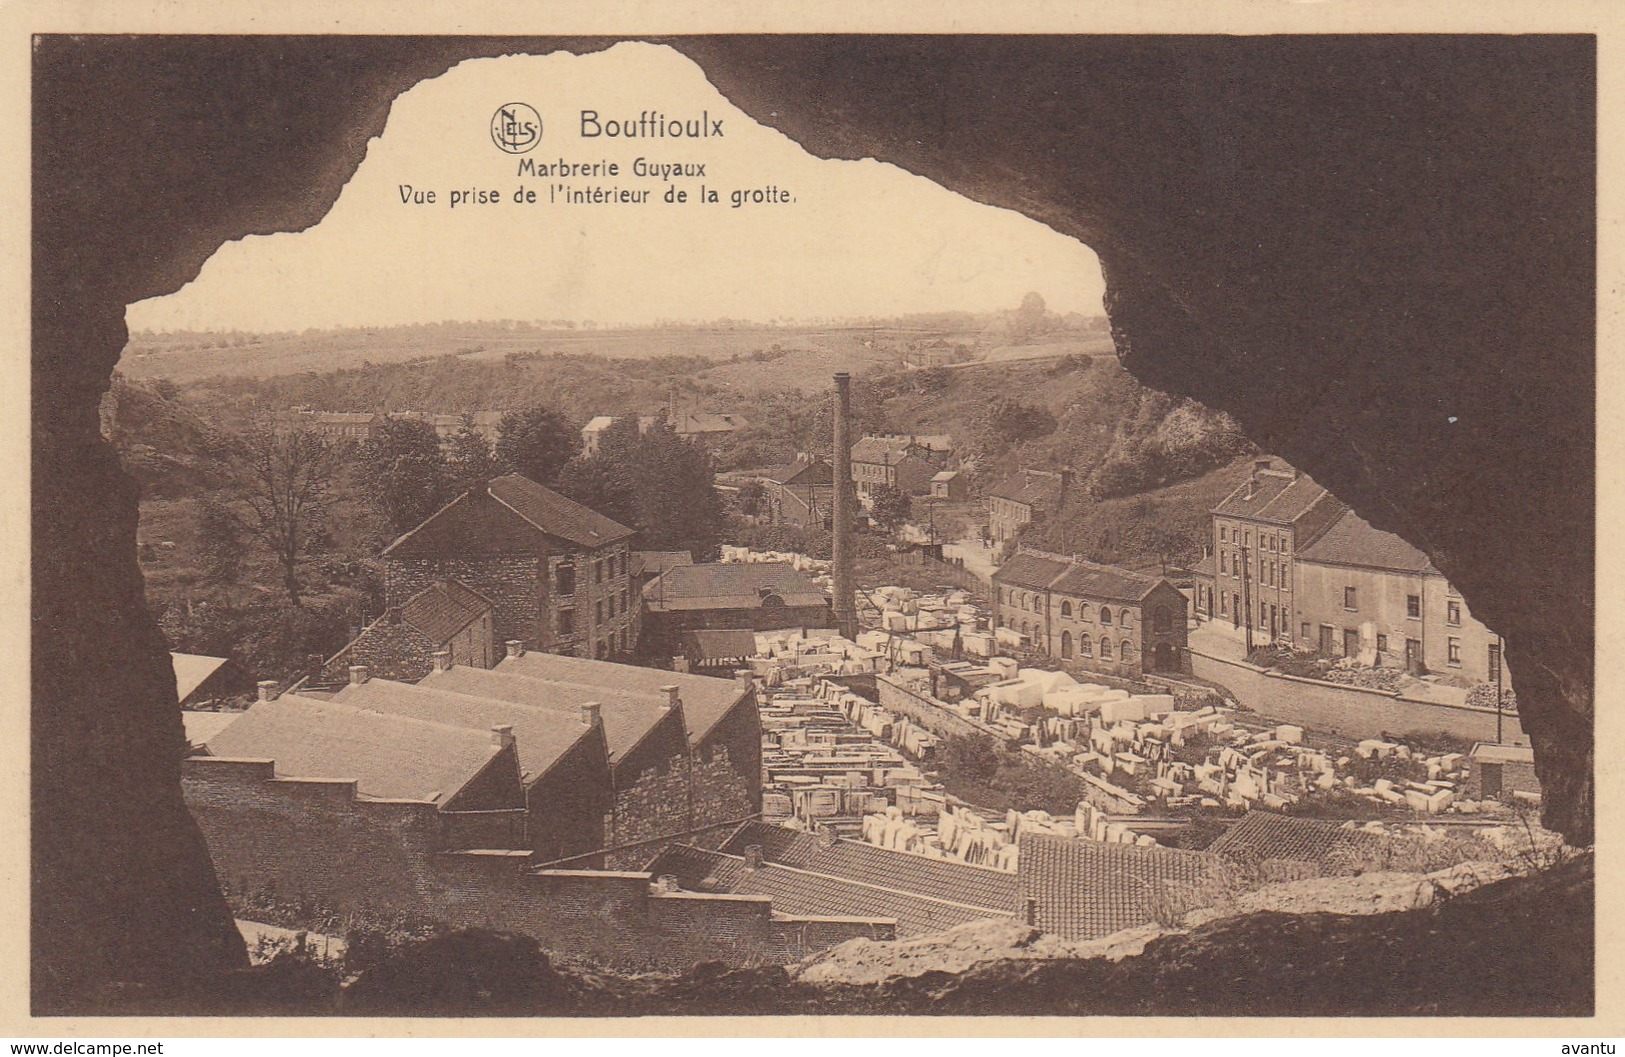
[859,239]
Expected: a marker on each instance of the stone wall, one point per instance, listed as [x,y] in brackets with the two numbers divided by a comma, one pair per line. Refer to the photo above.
[314,843]
[510,581]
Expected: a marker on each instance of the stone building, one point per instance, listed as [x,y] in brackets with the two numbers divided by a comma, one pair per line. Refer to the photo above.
[1016,501]
[1258,531]
[446,616]
[1097,616]
[900,462]
[754,596]
[951,485]
[556,572]
[800,492]
[1364,593]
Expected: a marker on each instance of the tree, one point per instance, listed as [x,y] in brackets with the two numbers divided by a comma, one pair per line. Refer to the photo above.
[403,472]
[751,496]
[285,482]
[468,459]
[219,541]
[536,443]
[653,481]
[890,506]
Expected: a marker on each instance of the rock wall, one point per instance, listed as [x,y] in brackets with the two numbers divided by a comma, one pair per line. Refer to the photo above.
[1376,252]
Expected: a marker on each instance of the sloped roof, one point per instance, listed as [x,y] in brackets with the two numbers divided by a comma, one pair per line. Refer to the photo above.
[1261,835]
[852,860]
[628,719]
[1029,487]
[706,700]
[685,422]
[730,586]
[201,726]
[945,475]
[441,610]
[389,757]
[1204,567]
[1084,889]
[192,670]
[653,563]
[1030,570]
[554,514]
[798,892]
[538,508]
[1278,497]
[880,449]
[597,423]
[1092,580]
[1352,541]
[718,645]
[541,736]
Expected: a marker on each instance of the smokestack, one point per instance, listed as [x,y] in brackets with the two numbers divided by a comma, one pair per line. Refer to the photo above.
[591,714]
[267,689]
[358,674]
[516,648]
[442,660]
[846,607]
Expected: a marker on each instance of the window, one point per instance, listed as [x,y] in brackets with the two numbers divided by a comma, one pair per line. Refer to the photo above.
[567,622]
[1105,648]
[625,600]
[1126,650]
[1224,536]
[612,607]
[1066,645]
[598,613]
[1453,653]
[1413,606]
[1224,561]
[1453,613]
[1083,610]
[1122,618]
[1351,599]
[623,634]
[1382,643]
[1066,611]
[1495,661]
[1303,631]
[565,579]
[1105,615]
[1161,620]
[1224,604]
[1351,642]
[598,571]
[1085,647]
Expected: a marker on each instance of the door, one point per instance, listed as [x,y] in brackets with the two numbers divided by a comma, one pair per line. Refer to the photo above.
[1413,656]
[1326,640]
[1489,779]
[1163,658]
[1351,642]
[1235,610]
[1275,616]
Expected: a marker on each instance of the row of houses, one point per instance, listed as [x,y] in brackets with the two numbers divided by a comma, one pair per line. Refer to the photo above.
[690,425]
[1295,566]
[360,426]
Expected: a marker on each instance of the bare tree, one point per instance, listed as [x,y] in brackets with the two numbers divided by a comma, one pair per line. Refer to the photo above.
[286,479]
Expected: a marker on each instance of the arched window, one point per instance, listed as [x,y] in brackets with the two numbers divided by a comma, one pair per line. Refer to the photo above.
[1105,648]
[1122,618]
[1105,615]
[1023,600]
[1066,609]
[1160,620]
[1086,648]
[1024,629]
[1083,610]
[1066,645]
[1126,651]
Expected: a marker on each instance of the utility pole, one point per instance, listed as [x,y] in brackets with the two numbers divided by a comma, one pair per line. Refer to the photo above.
[1500,666]
[1247,596]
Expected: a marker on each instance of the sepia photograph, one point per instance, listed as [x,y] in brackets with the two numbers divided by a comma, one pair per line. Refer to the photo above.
[739,525]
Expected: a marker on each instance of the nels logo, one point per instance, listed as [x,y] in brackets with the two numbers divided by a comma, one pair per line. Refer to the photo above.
[516,127]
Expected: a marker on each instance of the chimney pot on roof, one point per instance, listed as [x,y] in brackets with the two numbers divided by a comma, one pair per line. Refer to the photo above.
[267,689]
[516,648]
[358,674]
[745,678]
[502,734]
[592,713]
[679,664]
[442,660]
[673,696]
[668,882]
[753,856]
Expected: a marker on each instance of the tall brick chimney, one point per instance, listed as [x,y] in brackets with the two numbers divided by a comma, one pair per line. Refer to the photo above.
[846,608]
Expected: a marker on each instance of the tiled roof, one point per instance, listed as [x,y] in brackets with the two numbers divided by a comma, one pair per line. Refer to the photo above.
[706,700]
[945,475]
[789,471]
[718,644]
[880,450]
[192,670]
[541,736]
[1084,889]
[1029,487]
[1352,541]
[796,891]
[387,756]
[1030,570]
[653,563]
[1089,580]
[943,879]
[1204,567]
[441,610]
[730,586]
[628,719]
[554,514]
[1263,835]
[1278,497]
